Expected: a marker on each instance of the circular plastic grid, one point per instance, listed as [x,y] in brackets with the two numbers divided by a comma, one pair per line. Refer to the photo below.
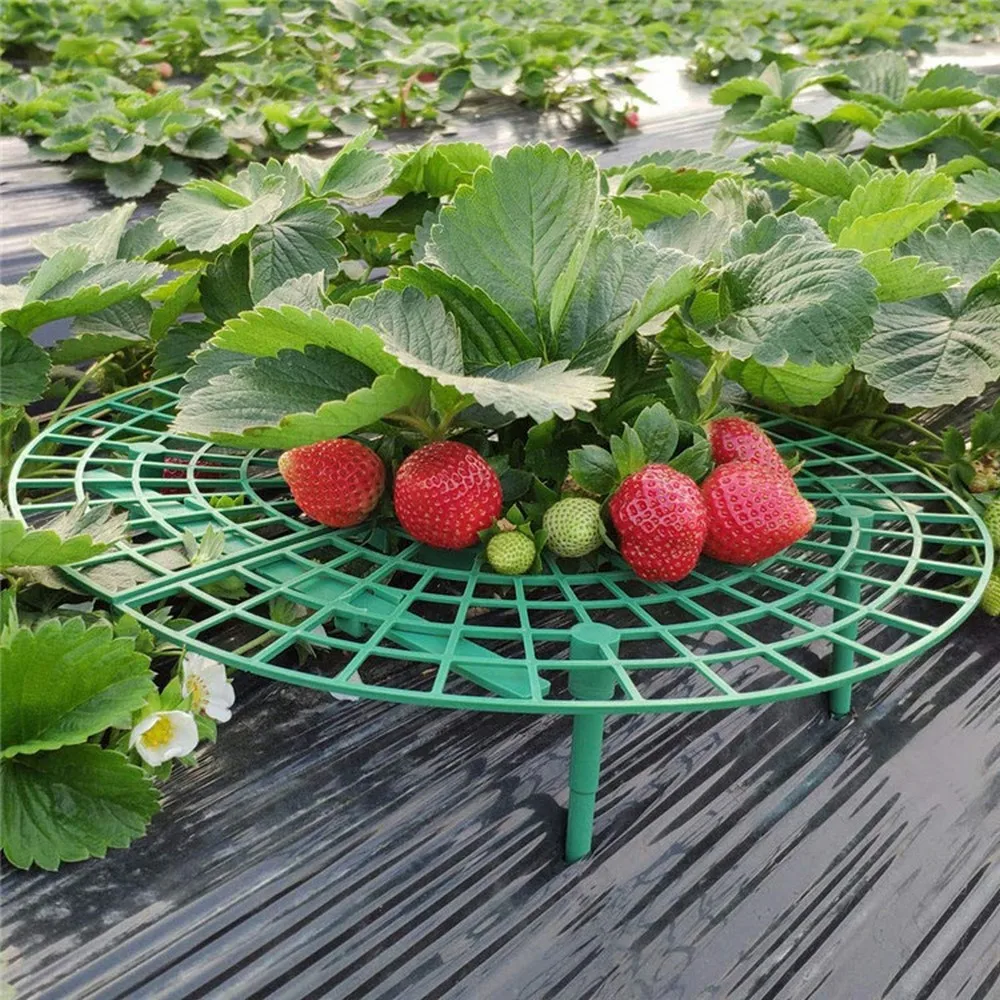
[395,620]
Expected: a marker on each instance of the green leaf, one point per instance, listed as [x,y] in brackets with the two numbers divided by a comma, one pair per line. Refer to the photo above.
[72,804]
[905,277]
[133,179]
[24,369]
[490,74]
[980,189]
[889,207]
[926,99]
[267,389]
[628,452]
[489,335]
[698,235]
[941,348]
[789,385]
[594,469]
[206,215]
[680,171]
[64,682]
[923,353]
[646,209]
[828,175]
[110,144]
[883,77]
[304,292]
[332,419]
[65,286]
[902,132]
[99,236]
[265,332]
[97,334]
[355,174]
[520,231]
[302,240]
[657,429]
[205,142]
[71,536]
[801,301]
[224,288]
[621,285]
[694,461]
[183,294]
[174,349]
[440,168]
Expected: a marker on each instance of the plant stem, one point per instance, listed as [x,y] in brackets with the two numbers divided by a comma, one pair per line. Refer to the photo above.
[892,418]
[52,417]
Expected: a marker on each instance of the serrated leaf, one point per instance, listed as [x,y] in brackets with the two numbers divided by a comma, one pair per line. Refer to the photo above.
[66,286]
[205,142]
[355,174]
[133,179]
[489,335]
[789,385]
[905,277]
[941,348]
[304,292]
[888,208]
[110,144]
[224,287]
[646,209]
[332,419]
[71,804]
[828,175]
[980,189]
[265,331]
[801,301]
[99,236]
[765,232]
[902,132]
[206,215]
[182,295]
[24,369]
[302,240]
[64,682]
[174,349]
[622,284]
[71,536]
[439,168]
[694,461]
[519,232]
[929,99]
[923,353]
[883,77]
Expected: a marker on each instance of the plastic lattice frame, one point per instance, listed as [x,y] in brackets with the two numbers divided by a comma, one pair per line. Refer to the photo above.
[876,582]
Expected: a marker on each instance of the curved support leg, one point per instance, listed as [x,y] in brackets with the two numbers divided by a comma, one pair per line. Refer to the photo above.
[848,589]
[587,642]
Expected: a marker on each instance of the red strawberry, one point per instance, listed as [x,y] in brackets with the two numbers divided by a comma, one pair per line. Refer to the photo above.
[337,482]
[427,76]
[631,119]
[753,512]
[445,494]
[734,439]
[165,70]
[661,522]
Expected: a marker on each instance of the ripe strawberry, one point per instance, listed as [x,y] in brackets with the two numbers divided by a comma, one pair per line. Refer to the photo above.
[445,494]
[753,512]
[734,439]
[573,527]
[427,76]
[338,482]
[510,553]
[991,518]
[165,70]
[990,602]
[661,522]
[631,119]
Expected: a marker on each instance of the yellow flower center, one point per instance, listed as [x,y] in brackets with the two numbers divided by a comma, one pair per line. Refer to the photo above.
[159,734]
[198,691]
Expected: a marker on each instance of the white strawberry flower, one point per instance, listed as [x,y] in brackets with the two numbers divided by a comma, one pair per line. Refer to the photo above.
[162,736]
[204,681]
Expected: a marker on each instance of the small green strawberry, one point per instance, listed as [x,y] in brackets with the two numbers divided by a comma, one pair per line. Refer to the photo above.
[573,527]
[991,596]
[991,518]
[510,553]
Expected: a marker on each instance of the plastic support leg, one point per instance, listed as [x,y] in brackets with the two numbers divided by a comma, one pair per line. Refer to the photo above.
[848,589]
[587,642]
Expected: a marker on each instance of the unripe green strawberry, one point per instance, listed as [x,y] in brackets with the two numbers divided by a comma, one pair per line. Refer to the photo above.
[990,602]
[573,527]
[510,553]
[991,518]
